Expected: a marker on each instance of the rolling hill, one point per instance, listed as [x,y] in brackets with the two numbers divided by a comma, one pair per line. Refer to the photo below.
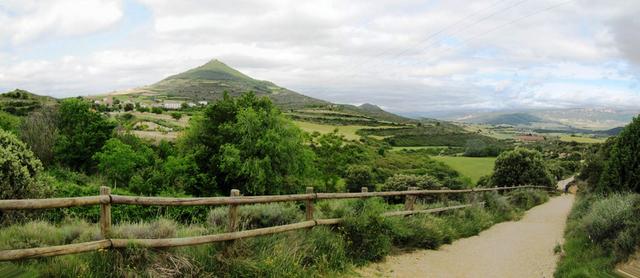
[583,120]
[20,102]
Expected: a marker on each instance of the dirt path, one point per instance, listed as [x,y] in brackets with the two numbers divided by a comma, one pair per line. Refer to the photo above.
[510,249]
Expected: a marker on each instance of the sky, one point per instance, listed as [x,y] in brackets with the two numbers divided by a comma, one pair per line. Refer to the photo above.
[410,56]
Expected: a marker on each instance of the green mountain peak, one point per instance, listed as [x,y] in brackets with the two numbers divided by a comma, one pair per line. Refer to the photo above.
[212,70]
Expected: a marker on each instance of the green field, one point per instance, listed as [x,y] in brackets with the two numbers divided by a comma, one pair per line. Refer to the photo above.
[580,139]
[349,131]
[415,148]
[472,167]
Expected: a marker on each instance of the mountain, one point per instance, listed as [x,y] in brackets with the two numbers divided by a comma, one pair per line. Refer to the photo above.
[20,102]
[209,81]
[570,119]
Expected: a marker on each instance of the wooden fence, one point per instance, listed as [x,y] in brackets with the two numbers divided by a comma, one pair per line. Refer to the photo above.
[105,200]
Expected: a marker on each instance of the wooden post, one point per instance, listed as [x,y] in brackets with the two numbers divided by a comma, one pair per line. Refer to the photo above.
[474,196]
[410,199]
[444,199]
[309,205]
[105,213]
[233,213]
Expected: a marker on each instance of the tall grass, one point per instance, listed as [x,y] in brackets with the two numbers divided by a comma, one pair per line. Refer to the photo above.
[601,231]
[364,236]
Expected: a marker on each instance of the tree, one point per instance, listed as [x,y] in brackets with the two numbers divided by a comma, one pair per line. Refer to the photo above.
[20,169]
[359,176]
[333,155]
[400,182]
[622,168]
[119,161]
[82,132]
[39,131]
[128,107]
[9,122]
[521,167]
[176,115]
[247,143]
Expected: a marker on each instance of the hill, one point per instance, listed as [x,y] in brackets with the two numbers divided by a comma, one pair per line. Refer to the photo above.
[569,120]
[209,81]
[20,102]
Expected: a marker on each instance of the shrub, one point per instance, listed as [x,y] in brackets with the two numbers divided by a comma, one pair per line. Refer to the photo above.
[367,232]
[257,216]
[622,169]
[528,198]
[608,217]
[19,174]
[176,115]
[418,232]
[521,167]
[358,176]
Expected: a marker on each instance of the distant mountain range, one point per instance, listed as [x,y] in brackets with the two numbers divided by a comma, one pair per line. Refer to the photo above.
[593,119]
[209,81]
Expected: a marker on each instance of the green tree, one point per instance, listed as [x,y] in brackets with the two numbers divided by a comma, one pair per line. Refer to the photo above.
[128,107]
[333,155]
[39,131]
[119,161]
[9,122]
[82,132]
[359,176]
[247,143]
[20,169]
[622,169]
[521,167]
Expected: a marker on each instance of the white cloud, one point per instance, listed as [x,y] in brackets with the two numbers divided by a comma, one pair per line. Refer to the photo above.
[486,54]
[37,19]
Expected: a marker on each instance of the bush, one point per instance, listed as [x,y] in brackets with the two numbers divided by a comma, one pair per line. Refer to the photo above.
[176,115]
[156,110]
[622,169]
[367,232]
[609,217]
[521,167]
[257,216]
[528,198]
[359,176]
[420,231]
[19,174]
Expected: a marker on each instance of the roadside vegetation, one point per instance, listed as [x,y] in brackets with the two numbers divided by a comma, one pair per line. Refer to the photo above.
[72,148]
[603,228]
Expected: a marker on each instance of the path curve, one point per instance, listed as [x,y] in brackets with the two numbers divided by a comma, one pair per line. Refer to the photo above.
[521,248]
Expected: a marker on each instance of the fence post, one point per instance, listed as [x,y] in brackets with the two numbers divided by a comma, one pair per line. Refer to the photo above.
[364,189]
[105,213]
[444,198]
[474,196]
[309,205]
[233,212]
[410,199]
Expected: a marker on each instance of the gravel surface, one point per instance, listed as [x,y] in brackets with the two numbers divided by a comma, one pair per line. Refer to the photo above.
[510,249]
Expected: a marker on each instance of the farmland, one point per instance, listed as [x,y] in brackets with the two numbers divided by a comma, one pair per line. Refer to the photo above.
[472,167]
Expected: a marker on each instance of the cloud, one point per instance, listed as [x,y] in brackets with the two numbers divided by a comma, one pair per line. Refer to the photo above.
[38,19]
[406,55]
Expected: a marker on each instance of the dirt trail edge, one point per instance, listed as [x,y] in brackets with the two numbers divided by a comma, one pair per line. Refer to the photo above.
[521,248]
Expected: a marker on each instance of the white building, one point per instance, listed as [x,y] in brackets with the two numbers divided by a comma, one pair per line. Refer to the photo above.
[171,105]
[203,103]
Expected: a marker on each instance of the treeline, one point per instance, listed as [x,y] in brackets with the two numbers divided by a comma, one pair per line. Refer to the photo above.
[244,143]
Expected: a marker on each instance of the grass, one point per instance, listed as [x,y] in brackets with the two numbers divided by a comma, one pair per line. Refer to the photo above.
[316,252]
[472,167]
[601,232]
[581,139]
[349,131]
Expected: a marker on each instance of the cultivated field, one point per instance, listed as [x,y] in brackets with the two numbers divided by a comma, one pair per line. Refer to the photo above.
[472,167]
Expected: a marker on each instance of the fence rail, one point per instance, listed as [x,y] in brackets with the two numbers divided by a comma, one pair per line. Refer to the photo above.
[106,199]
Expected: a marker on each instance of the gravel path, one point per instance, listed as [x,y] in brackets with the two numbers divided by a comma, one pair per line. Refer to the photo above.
[509,249]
